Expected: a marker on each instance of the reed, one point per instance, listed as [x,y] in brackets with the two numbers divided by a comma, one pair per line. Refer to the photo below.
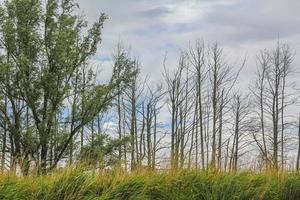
[78,183]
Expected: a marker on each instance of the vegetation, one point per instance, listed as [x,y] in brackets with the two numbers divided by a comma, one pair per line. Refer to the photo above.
[183,184]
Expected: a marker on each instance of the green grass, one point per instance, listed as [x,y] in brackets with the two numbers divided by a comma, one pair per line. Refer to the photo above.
[117,185]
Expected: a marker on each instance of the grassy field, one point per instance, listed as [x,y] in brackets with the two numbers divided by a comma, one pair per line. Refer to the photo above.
[114,185]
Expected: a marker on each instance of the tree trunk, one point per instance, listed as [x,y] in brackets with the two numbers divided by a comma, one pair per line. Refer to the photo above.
[298,155]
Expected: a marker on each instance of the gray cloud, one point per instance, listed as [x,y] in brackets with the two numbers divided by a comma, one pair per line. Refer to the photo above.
[154,12]
[153,27]
[255,20]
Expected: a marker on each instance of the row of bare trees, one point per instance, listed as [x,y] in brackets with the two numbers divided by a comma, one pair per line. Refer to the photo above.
[198,96]
[214,121]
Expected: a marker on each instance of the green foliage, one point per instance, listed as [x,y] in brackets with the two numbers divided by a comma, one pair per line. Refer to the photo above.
[143,185]
[45,46]
[101,152]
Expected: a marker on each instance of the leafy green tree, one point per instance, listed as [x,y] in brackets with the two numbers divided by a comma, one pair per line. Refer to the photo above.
[45,42]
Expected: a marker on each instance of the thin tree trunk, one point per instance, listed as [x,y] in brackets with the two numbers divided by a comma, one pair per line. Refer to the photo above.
[236,153]
[4,139]
[148,125]
[201,128]
[282,119]
[154,140]
[132,126]
[298,155]
[220,131]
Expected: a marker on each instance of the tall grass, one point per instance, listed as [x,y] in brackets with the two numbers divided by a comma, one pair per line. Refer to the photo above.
[117,185]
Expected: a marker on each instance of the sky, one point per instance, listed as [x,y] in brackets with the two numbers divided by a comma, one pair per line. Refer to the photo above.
[155,28]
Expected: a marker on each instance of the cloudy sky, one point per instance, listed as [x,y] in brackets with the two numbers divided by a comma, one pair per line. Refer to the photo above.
[154,27]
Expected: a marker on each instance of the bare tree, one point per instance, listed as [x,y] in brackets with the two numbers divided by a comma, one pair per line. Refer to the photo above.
[241,109]
[258,90]
[275,66]
[222,80]
[176,86]
[197,59]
